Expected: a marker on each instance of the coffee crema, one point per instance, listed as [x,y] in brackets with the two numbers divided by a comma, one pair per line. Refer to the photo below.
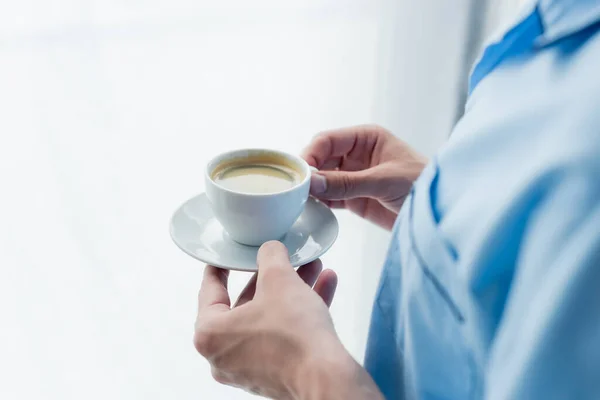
[257,175]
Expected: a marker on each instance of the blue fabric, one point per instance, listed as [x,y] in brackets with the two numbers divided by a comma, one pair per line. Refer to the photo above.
[491,288]
[518,40]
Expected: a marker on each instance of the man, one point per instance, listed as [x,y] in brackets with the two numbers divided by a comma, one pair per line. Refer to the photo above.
[491,286]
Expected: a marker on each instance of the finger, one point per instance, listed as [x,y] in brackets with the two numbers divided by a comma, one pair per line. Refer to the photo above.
[334,203]
[310,272]
[337,204]
[336,143]
[273,260]
[326,286]
[340,185]
[248,292]
[213,291]
[332,164]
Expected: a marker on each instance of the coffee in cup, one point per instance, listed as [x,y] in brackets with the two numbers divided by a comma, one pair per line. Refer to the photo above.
[258,174]
[257,194]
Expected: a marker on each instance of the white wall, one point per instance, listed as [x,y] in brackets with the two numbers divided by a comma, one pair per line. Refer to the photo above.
[108,113]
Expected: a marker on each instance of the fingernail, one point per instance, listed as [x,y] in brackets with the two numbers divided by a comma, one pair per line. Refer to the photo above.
[318,184]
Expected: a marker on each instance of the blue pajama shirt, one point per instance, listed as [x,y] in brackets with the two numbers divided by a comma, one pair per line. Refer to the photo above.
[491,288]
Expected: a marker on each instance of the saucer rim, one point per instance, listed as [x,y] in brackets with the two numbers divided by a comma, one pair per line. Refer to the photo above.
[295,265]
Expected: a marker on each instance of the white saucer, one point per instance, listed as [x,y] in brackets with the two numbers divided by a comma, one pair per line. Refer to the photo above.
[195,230]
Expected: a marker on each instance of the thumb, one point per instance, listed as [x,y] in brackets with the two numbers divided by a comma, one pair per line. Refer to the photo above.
[273,263]
[341,185]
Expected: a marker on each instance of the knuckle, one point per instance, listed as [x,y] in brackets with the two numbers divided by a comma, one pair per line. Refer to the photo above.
[321,136]
[317,141]
[347,183]
[322,140]
[219,376]
[204,342]
[376,131]
[374,128]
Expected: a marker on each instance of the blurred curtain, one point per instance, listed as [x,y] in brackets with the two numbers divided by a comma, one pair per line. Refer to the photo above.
[109,110]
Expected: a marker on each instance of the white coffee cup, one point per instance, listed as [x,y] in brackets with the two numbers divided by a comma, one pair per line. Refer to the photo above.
[253,219]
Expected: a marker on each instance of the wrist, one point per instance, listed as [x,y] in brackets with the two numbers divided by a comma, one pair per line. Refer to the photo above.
[333,374]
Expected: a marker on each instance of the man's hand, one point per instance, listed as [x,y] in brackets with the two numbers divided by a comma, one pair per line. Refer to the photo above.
[278,340]
[364,169]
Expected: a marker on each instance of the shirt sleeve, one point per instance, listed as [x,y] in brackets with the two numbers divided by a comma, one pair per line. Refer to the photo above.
[547,345]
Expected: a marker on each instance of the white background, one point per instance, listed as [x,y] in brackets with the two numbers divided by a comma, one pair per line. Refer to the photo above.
[109,111]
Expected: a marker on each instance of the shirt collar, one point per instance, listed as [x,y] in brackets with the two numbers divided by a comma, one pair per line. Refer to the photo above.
[564,17]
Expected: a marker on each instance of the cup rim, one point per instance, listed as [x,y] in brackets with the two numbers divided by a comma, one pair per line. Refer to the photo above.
[209,168]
